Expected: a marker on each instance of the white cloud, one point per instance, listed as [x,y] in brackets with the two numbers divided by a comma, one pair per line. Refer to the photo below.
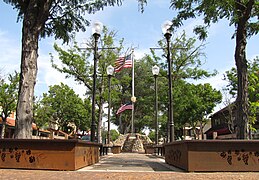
[9,53]
[215,81]
[48,76]
[140,53]
[188,27]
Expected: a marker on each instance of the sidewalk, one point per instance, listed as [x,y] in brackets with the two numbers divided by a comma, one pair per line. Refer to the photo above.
[124,166]
[131,162]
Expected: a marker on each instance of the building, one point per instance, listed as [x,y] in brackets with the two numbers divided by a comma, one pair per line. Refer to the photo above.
[222,124]
[10,126]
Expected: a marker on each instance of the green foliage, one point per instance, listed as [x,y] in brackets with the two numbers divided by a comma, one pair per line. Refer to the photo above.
[77,63]
[193,103]
[187,58]
[114,134]
[62,106]
[244,16]
[8,95]
[41,114]
[152,135]
[74,64]
[253,86]
[187,65]
[253,80]
[8,98]
[213,11]
[60,18]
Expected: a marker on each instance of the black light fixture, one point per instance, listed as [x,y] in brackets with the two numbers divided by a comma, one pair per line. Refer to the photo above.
[155,72]
[96,32]
[166,29]
[110,71]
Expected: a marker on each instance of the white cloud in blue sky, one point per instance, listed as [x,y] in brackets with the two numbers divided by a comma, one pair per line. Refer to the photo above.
[141,30]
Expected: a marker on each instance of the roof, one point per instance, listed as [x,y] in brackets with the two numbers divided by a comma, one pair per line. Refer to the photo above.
[11,122]
[226,108]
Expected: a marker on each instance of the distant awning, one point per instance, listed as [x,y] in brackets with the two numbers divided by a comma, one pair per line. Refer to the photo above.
[220,131]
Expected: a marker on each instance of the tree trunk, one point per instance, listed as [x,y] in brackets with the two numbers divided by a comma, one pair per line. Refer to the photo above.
[120,125]
[35,16]
[27,79]
[99,127]
[241,63]
[3,128]
[100,115]
[242,95]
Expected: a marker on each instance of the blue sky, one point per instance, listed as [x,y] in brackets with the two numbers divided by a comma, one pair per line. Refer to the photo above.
[142,30]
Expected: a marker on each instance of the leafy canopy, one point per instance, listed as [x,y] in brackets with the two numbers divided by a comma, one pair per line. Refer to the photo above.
[60,18]
[212,11]
[8,95]
[62,106]
[253,86]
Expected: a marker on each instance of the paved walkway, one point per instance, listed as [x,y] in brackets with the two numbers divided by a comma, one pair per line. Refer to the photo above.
[128,166]
[131,162]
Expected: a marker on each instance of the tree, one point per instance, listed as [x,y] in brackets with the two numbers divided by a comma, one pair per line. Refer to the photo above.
[198,103]
[253,88]
[187,60]
[187,65]
[244,16]
[62,106]
[8,98]
[76,64]
[42,18]
[114,134]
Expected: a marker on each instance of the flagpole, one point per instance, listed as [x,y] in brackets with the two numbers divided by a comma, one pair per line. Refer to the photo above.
[133,98]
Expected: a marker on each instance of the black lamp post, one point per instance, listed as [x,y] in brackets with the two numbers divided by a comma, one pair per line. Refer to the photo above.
[110,71]
[155,71]
[167,33]
[96,31]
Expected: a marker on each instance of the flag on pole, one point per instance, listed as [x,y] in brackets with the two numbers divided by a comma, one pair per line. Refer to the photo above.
[119,64]
[123,62]
[124,107]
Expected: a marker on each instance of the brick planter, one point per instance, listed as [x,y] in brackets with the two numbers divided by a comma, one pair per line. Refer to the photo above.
[214,155]
[116,149]
[149,149]
[47,154]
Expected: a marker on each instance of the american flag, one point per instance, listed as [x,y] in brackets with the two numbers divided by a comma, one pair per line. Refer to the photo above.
[123,62]
[124,107]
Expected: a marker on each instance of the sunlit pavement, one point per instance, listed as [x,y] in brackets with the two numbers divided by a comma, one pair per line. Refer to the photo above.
[131,162]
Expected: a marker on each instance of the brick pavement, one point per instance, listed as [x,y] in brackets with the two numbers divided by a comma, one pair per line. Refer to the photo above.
[124,166]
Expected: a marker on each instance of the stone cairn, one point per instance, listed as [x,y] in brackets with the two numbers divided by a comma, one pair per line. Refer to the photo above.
[133,142]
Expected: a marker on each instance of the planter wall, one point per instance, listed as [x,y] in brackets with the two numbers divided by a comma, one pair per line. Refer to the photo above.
[214,155]
[116,149]
[149,149]
[47,154]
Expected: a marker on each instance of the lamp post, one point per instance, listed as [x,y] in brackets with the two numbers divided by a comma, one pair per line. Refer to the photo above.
[110,71]
[96,32]
[167,33]
[155,72]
